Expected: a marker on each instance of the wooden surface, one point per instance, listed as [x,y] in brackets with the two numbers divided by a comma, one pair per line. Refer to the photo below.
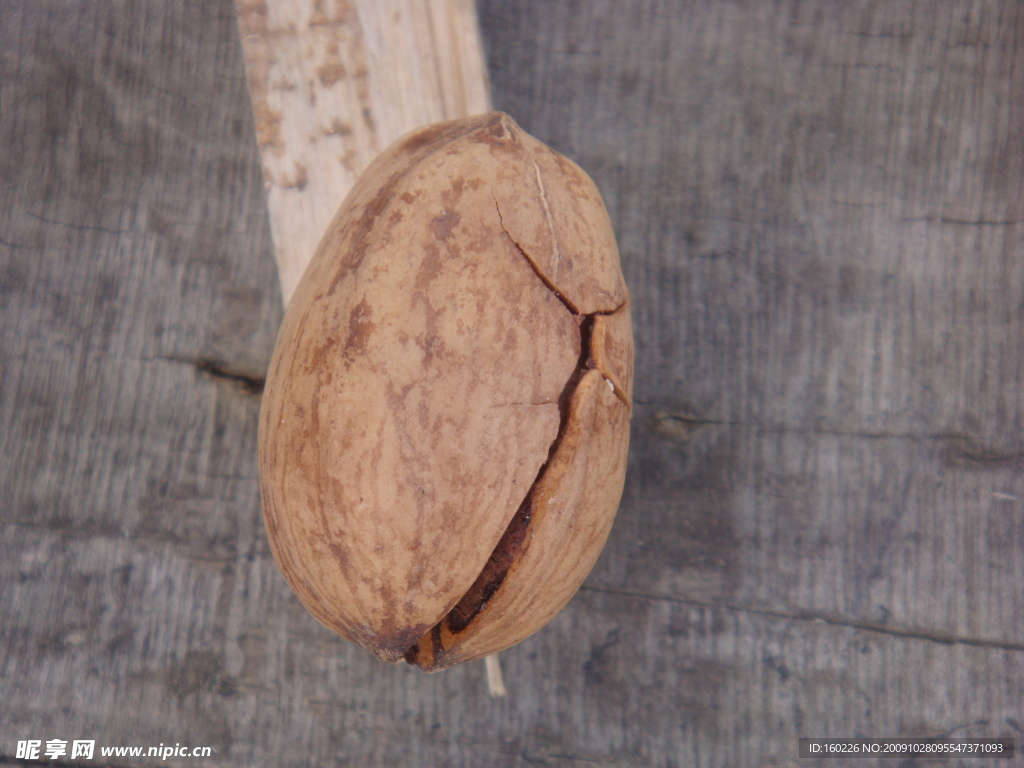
[334,82]
[819,207]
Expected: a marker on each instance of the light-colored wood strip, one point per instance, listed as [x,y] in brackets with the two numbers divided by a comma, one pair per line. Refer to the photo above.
[495,681]
[335,81]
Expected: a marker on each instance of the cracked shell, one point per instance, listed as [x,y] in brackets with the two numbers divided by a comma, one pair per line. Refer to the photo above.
[444,429]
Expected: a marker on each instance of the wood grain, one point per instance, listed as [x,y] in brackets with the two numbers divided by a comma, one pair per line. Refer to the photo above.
[819,208]
[334,82]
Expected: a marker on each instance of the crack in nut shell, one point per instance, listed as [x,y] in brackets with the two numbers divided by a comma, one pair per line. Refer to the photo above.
[413,401]
[574,500]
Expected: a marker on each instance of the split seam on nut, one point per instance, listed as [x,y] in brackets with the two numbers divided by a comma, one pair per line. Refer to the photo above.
[504,554]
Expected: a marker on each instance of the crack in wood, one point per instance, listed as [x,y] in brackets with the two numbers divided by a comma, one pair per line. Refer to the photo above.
[838,621]
[218,369]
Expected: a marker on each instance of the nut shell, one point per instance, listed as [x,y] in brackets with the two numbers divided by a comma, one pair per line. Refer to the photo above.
[445,423]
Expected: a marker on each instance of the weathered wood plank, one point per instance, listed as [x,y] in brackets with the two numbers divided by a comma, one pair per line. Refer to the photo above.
[138,299]
[819,207]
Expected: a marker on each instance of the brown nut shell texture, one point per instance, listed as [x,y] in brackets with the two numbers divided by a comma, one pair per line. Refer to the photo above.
[445,423]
